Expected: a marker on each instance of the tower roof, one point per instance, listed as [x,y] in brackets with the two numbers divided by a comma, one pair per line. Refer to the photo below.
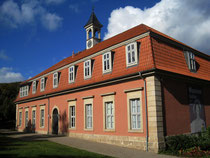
[93,20]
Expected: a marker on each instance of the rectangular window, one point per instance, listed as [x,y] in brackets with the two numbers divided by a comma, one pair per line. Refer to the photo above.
[107,62]
[42,84]
[191,61]
[20,118]
[42,118]
[24,91]
[26,119]
[87,69]
[71,74]
[72,116]
[89,117]
[33,118]
[55,80]
[109,112]
[135,114]
[131,54]
[34,87]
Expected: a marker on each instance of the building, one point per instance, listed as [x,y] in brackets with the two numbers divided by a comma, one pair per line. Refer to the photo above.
[132,90]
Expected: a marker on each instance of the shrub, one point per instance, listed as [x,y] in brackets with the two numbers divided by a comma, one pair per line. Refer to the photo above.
[194,145]
[180,142]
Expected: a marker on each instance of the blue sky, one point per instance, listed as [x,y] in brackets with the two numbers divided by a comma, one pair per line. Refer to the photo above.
[36,34]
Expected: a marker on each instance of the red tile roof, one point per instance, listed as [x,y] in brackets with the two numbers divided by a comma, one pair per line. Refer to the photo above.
[153,54]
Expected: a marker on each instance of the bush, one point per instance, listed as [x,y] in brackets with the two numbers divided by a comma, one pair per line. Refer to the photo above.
[189,144]
[180,142]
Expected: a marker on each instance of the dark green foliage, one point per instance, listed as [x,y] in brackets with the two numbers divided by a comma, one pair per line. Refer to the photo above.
[8,93]
[180,142]
[204,140]
[194,145]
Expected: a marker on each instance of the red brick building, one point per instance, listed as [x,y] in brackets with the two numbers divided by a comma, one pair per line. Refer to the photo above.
[133,90]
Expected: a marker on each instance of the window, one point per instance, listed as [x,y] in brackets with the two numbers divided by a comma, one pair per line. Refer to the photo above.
[107,62]
[72,116]
[42,84]
[33,118]
[88,117]
[34,87]
[20,118]
[24,91]
[87,69]
[135,116]
[42,118]
[109,112]
[131,54]
[190,59]
[26,119]
[55,80]
[71,74]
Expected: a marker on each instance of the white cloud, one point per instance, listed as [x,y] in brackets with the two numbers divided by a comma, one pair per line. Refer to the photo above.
[51,21]
[7,75]
[187,21]
[74,7]
[3,55]
[14,15]
[54,1]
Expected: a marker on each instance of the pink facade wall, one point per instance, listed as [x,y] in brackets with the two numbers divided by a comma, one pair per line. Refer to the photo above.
[176,105]
[121,118]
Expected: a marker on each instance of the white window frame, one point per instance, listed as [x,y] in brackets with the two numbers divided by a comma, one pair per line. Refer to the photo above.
[42,84]
[42,118]
[135,114]
[88,116]
[33,118]
[191,61]
[20,118]
[72,116]
[24,91]
[131,54]
[55,80]
[107,61]
[26,118]
[71,74]
[34,87]
[87,69]
[109,115]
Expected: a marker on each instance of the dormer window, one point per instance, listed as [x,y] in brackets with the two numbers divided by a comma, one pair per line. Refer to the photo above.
[55,80]
[71,74]
[131,54]
[42,84]
[34,87]
[190,59]
[24,91]
[107,62]
[87,69]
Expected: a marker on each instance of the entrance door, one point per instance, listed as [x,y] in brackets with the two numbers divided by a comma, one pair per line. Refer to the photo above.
[55,122]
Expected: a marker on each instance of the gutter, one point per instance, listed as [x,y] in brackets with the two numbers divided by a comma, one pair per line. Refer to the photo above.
[146,114]
[48,116]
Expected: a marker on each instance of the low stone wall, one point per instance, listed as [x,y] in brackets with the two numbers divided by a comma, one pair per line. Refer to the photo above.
[125,141]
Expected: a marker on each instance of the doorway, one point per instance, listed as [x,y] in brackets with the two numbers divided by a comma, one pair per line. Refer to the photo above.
[55,122]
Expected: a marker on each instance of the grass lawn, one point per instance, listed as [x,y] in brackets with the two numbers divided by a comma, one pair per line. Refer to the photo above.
[12,147]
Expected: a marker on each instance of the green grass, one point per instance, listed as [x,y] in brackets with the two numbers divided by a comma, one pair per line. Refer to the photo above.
[12,147]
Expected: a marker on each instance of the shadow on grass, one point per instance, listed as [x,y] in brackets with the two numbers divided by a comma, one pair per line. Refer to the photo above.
[31,146]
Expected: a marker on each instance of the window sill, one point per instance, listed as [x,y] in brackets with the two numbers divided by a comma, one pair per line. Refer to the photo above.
[88,129]
[109,130]
[135,130]
[132,65]
[72,128]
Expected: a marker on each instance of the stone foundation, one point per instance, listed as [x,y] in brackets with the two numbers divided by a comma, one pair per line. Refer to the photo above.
[125,141]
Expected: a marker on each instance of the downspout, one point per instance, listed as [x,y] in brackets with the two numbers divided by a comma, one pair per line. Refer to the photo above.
[48,118]
[145,99]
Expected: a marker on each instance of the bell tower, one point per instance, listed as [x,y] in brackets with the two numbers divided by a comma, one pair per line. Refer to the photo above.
[93,31]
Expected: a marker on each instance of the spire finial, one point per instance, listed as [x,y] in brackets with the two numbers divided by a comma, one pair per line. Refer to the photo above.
[93,8]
